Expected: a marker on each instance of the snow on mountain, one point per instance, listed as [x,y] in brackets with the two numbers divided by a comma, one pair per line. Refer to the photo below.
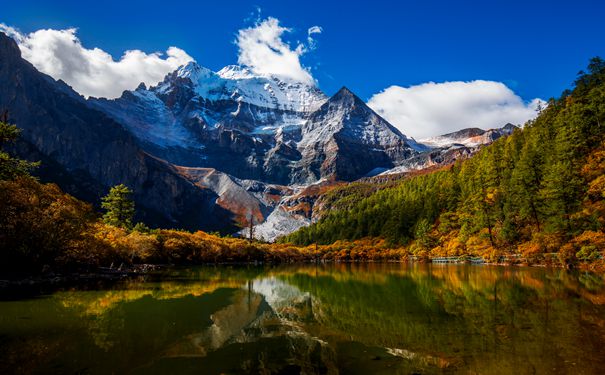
[150,120]
[435,157]
[231,120]
[236,72]
[346,113]
[447,148]
[470,137]
[238,83]
[346,138]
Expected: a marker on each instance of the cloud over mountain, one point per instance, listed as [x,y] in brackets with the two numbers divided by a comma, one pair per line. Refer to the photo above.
[93,72]
[420,111]
[262,48]
[433,108]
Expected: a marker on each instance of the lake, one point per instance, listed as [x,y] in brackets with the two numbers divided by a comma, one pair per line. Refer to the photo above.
[335,318]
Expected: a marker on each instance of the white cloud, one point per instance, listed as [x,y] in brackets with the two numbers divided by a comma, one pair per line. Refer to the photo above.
[314,30]
[432,109]
[310,40]
[93,72]
[262,49]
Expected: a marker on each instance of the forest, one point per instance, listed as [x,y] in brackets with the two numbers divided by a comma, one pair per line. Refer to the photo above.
[537,193]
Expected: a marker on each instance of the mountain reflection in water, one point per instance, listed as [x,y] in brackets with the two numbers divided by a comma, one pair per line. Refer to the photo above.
[339,318]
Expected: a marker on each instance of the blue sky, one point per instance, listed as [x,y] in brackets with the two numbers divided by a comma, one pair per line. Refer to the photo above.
[535,48]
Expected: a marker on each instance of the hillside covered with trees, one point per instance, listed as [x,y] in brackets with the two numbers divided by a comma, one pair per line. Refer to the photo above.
[537,192]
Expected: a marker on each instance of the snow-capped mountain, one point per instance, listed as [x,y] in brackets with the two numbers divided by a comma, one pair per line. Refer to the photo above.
[237,133]
[447,148]
[238,83]
[346,138]
[225,128]
[211,150]
[469,137]
[258,127]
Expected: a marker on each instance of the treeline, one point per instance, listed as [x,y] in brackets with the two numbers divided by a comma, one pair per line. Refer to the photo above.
[42,229]
[540,190]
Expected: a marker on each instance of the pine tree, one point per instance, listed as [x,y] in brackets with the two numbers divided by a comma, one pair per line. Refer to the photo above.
[10,167]
[526,180]
[119,207]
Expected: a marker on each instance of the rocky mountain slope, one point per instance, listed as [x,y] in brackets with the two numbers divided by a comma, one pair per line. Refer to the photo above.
[233,121]
[86,152]
[304,205]
[469,137]
[257,127]
[347,140]
[213,150]
[447,148]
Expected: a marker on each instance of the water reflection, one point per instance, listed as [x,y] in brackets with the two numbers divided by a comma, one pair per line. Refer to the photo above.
[347,318]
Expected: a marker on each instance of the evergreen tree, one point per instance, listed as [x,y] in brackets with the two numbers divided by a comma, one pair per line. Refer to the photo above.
[119,207]
[10,167]
[525,184]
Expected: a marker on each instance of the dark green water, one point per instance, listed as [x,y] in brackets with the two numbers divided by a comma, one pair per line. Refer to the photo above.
[354,319]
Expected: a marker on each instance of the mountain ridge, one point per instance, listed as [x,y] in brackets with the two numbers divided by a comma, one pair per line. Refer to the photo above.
[199,148]
[95,151]
[195,118]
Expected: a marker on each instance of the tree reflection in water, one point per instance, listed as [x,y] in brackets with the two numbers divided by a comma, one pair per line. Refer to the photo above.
[352,318]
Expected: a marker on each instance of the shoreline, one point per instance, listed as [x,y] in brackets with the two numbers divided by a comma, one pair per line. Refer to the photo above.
[39,284]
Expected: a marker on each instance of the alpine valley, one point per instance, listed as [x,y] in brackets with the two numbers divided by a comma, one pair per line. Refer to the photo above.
[215,151]
[162,213]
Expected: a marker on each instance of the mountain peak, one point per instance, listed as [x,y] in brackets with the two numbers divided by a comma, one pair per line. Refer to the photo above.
[509,127]
[344,92]
[8,46]
[346,97]
[193,71]
[239,83]
[236,72]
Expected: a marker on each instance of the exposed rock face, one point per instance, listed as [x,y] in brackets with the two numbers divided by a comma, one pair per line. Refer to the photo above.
[344,139]
[95,151]
[206,150]
[447,148]
[245,199]
[255,127]
[305,206]
[234,121]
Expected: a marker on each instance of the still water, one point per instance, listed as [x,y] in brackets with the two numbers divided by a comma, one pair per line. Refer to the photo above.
[339,318]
